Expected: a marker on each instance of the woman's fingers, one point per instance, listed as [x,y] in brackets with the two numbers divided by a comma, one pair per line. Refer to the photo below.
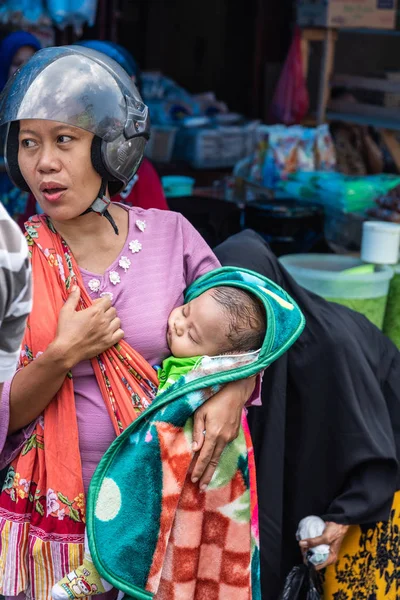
[212,465]
[313,542]
[115,324]
[111,313]
[203,459]
[117,336]
[216,423]
[104,302]
[71,304]
[334,532]
[199,425]
[88,332]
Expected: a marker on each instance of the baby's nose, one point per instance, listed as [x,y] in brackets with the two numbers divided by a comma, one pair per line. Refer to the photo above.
[179,328]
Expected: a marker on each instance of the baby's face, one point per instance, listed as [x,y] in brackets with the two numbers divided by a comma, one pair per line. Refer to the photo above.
[197,328]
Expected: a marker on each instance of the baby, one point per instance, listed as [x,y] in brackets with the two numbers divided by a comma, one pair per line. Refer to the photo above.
[222,320]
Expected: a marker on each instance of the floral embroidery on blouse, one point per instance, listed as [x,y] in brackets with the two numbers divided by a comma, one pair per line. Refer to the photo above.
[124,263]
[94,285]
[135,246]
[110,294]
[114,277]
[141,225]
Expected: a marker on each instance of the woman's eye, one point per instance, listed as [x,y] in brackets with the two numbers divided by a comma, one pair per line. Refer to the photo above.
[28,143]
[64,139]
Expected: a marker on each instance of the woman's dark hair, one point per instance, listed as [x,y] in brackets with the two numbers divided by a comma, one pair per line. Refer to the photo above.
[248,320]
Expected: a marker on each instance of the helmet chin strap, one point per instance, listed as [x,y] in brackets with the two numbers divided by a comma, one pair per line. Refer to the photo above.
[100,206]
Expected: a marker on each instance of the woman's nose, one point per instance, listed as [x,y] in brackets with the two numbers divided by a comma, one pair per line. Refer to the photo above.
[48,162]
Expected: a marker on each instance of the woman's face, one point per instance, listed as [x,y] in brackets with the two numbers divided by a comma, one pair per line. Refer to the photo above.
[55,161]
[20,58]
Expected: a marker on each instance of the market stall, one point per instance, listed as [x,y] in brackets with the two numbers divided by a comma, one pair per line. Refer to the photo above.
[39,14]
[226,171]
[289,190]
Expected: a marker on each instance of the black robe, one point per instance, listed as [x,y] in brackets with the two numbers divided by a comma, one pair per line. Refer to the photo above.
[327,436]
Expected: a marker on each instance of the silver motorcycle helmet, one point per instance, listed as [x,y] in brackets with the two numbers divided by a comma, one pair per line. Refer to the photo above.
[84,88]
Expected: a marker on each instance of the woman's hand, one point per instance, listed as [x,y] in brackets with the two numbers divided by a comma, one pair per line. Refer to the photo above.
[333,536]
[80,335]
[220,419]
[84,334]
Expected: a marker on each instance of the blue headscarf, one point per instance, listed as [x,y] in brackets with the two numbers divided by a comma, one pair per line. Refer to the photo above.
[8,49]
[13,199]
[118,53]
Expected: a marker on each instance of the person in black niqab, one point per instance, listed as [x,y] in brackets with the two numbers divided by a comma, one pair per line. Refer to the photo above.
[327,437]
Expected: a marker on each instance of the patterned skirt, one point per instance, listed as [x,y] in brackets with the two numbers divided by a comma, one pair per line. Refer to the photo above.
[369,563]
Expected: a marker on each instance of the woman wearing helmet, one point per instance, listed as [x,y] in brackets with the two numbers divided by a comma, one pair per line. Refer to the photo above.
[144,189]
[103,274]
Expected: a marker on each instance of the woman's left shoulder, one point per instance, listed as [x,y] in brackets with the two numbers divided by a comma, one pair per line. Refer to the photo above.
[157,220]
[155,215]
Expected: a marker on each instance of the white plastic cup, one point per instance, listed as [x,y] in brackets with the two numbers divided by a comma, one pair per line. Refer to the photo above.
[380,243]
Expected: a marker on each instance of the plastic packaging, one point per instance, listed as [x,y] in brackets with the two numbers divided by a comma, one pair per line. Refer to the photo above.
[59,11]
[305,150]
[324,275]
[338,191]
[22,11]
[281,152]
[311,527]
[325,155]
[72,12]
[290,102]
[257,159]
[301,584]
[281,155]
[286,153]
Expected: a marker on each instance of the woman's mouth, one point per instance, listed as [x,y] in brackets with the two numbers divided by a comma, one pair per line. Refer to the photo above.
[53,194]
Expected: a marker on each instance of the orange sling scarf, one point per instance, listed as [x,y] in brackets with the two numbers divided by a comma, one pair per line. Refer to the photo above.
[42,505]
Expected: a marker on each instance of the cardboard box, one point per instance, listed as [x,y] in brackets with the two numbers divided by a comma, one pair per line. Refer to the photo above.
[372,14]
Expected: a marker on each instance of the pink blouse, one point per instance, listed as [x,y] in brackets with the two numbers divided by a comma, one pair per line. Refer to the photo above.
[166,254]
[166,257]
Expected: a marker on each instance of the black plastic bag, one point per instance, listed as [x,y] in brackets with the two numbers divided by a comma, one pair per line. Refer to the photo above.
[301,584]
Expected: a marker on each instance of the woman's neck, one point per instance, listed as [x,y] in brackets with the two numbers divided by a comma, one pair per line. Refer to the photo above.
[92,239]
